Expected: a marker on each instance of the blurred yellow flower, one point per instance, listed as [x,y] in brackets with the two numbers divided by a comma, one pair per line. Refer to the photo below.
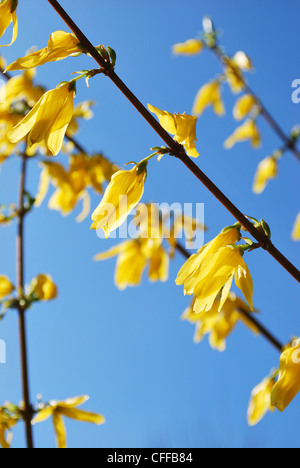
[60,46]
[181,125]
[20,87]
[213,268]
[288,384]
[234,71]
[44,288]
[296,230]
[8,15]
[247,131]
[48,121]
[67,408]
[218,323]
[267,170]
[243,106]
[133,258]
[260,401]
[6,287]
[122,195]
[81,111]
[190,47]
[6,423]
[209,95]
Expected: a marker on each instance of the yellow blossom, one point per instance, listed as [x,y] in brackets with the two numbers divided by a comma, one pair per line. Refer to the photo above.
[81,111]
[181,125]
[296,230]
[21,87]
[247,131]
[67,408]
[8,15]
[243,106]
[6,287]
[44,288]
[260,401]
[190,47]
[288,384]
[60,45]
[209,95]
[6,423]
[267,170]
[234,71]
[133,258]
[48,121]
[213,268]
[122,195]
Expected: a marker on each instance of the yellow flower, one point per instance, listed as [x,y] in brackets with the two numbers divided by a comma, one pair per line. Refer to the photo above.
[243,61]
[288,384]
[209,95]
[6,287]
[247,131]
[60,45]
[68,409]
[8,15]
[6,423]
[296,230]
[81,111]
[133,258]
[213,268]
[122,194]
[44,288]
[181,125]
[244,106]
[267,170]
[48,121]
[234,71]
[190,47]
[21,87]
[218,323]
[260,401]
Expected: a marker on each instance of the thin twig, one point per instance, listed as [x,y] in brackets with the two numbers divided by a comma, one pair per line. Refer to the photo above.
[28,410]
[177,150]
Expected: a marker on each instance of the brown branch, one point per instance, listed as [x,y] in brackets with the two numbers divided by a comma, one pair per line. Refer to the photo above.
[177,150]
[28,410]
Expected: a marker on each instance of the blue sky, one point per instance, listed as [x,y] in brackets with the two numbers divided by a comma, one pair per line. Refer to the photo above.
[129,350]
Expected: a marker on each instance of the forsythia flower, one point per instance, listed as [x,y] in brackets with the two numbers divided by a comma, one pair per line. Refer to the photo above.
[21,87]
[219,324]
[296,230]
[6,287]
[267,170]
[190,47]
[133,257]
[6,423]
[8,14]
[247,131]
[181,125]
[122,195]
[209,95]
[68,409]
[60,46]
[44,288]
[234,71]
[260,402]
[244,106]
[81,111]
[288,384]
[48,121]
[213,268]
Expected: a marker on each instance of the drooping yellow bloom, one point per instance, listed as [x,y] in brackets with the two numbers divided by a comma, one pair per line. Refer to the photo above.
[190,47]
[6,287]
[234,71]
[247,131]
[20,87]
[48,121]
[209,95]
[181,125]
[44,288]
[218,323]
[7,422]
[288,384]
[133,258]
[243,106]
[8,15]
[67,408]
[122,194]
[296,230]
[260,401]
[267,170]
[60,46]
[213,268]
